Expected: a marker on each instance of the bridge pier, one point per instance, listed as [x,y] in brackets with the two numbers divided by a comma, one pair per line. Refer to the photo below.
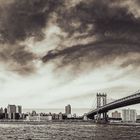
[98,117]
[102,117]
[105,116]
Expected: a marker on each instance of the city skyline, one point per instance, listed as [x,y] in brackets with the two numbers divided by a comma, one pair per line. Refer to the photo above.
[15,112]
[50,58]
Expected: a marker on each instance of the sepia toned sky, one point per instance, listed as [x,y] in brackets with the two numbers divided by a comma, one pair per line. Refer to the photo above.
[59,52]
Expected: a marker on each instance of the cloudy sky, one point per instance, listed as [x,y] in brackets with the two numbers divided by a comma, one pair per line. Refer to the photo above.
[59,52]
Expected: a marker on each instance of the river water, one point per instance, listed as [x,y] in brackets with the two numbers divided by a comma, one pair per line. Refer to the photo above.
[68,131]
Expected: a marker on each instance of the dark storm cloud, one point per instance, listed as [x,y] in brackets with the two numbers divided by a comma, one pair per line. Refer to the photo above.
[17,58]
[20,20]
[107,19]
[96,53]
[114,25]
[26,18]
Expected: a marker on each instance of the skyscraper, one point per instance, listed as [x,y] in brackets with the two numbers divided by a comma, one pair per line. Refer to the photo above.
[68,109]
[5,113]
[1,110]
[11,110]
[129,115]
[19,109]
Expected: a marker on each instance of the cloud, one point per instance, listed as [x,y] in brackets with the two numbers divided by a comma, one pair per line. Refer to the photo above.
[19,21]
[91,34]
[113,25]
[17,58]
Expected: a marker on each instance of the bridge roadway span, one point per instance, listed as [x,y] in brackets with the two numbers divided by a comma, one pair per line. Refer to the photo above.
[126,101]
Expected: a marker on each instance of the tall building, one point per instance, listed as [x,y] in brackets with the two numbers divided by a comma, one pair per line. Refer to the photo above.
[138,117]
[19,109]
[34,113]
[116,114]
[11,110]
[68,109]
[5,113]
[1,110]
[129,115]
[5,110]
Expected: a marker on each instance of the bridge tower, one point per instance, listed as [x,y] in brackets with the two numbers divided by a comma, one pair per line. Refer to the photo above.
[98,100]
[101,101]
[104,103]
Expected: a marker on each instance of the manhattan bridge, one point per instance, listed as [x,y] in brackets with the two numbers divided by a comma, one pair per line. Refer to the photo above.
[102,107]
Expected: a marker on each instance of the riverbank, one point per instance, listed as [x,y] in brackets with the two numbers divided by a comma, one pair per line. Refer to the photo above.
[77,122]
[47,122]
[125,124]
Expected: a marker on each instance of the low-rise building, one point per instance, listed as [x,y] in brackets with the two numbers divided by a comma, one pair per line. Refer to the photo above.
[116,115]
[38,118]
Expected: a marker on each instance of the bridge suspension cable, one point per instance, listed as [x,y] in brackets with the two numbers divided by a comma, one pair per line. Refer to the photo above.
[110,99]
[94,102]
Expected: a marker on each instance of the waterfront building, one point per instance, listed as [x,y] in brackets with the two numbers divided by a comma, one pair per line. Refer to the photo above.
[1,110]
[116,115]
[5,113]
[34,113]
[1,113]
[49,118]
[24,116]
[69,116]
[17,116]
[74,115]
[5,110]
[55,116]
[138,117]
[38,118]
[85,118]
[11,110]
[129,115]
[19,109]
[60,116]
[68,109]
[31,118]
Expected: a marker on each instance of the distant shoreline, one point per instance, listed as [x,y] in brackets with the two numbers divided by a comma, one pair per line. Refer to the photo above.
[78,122]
